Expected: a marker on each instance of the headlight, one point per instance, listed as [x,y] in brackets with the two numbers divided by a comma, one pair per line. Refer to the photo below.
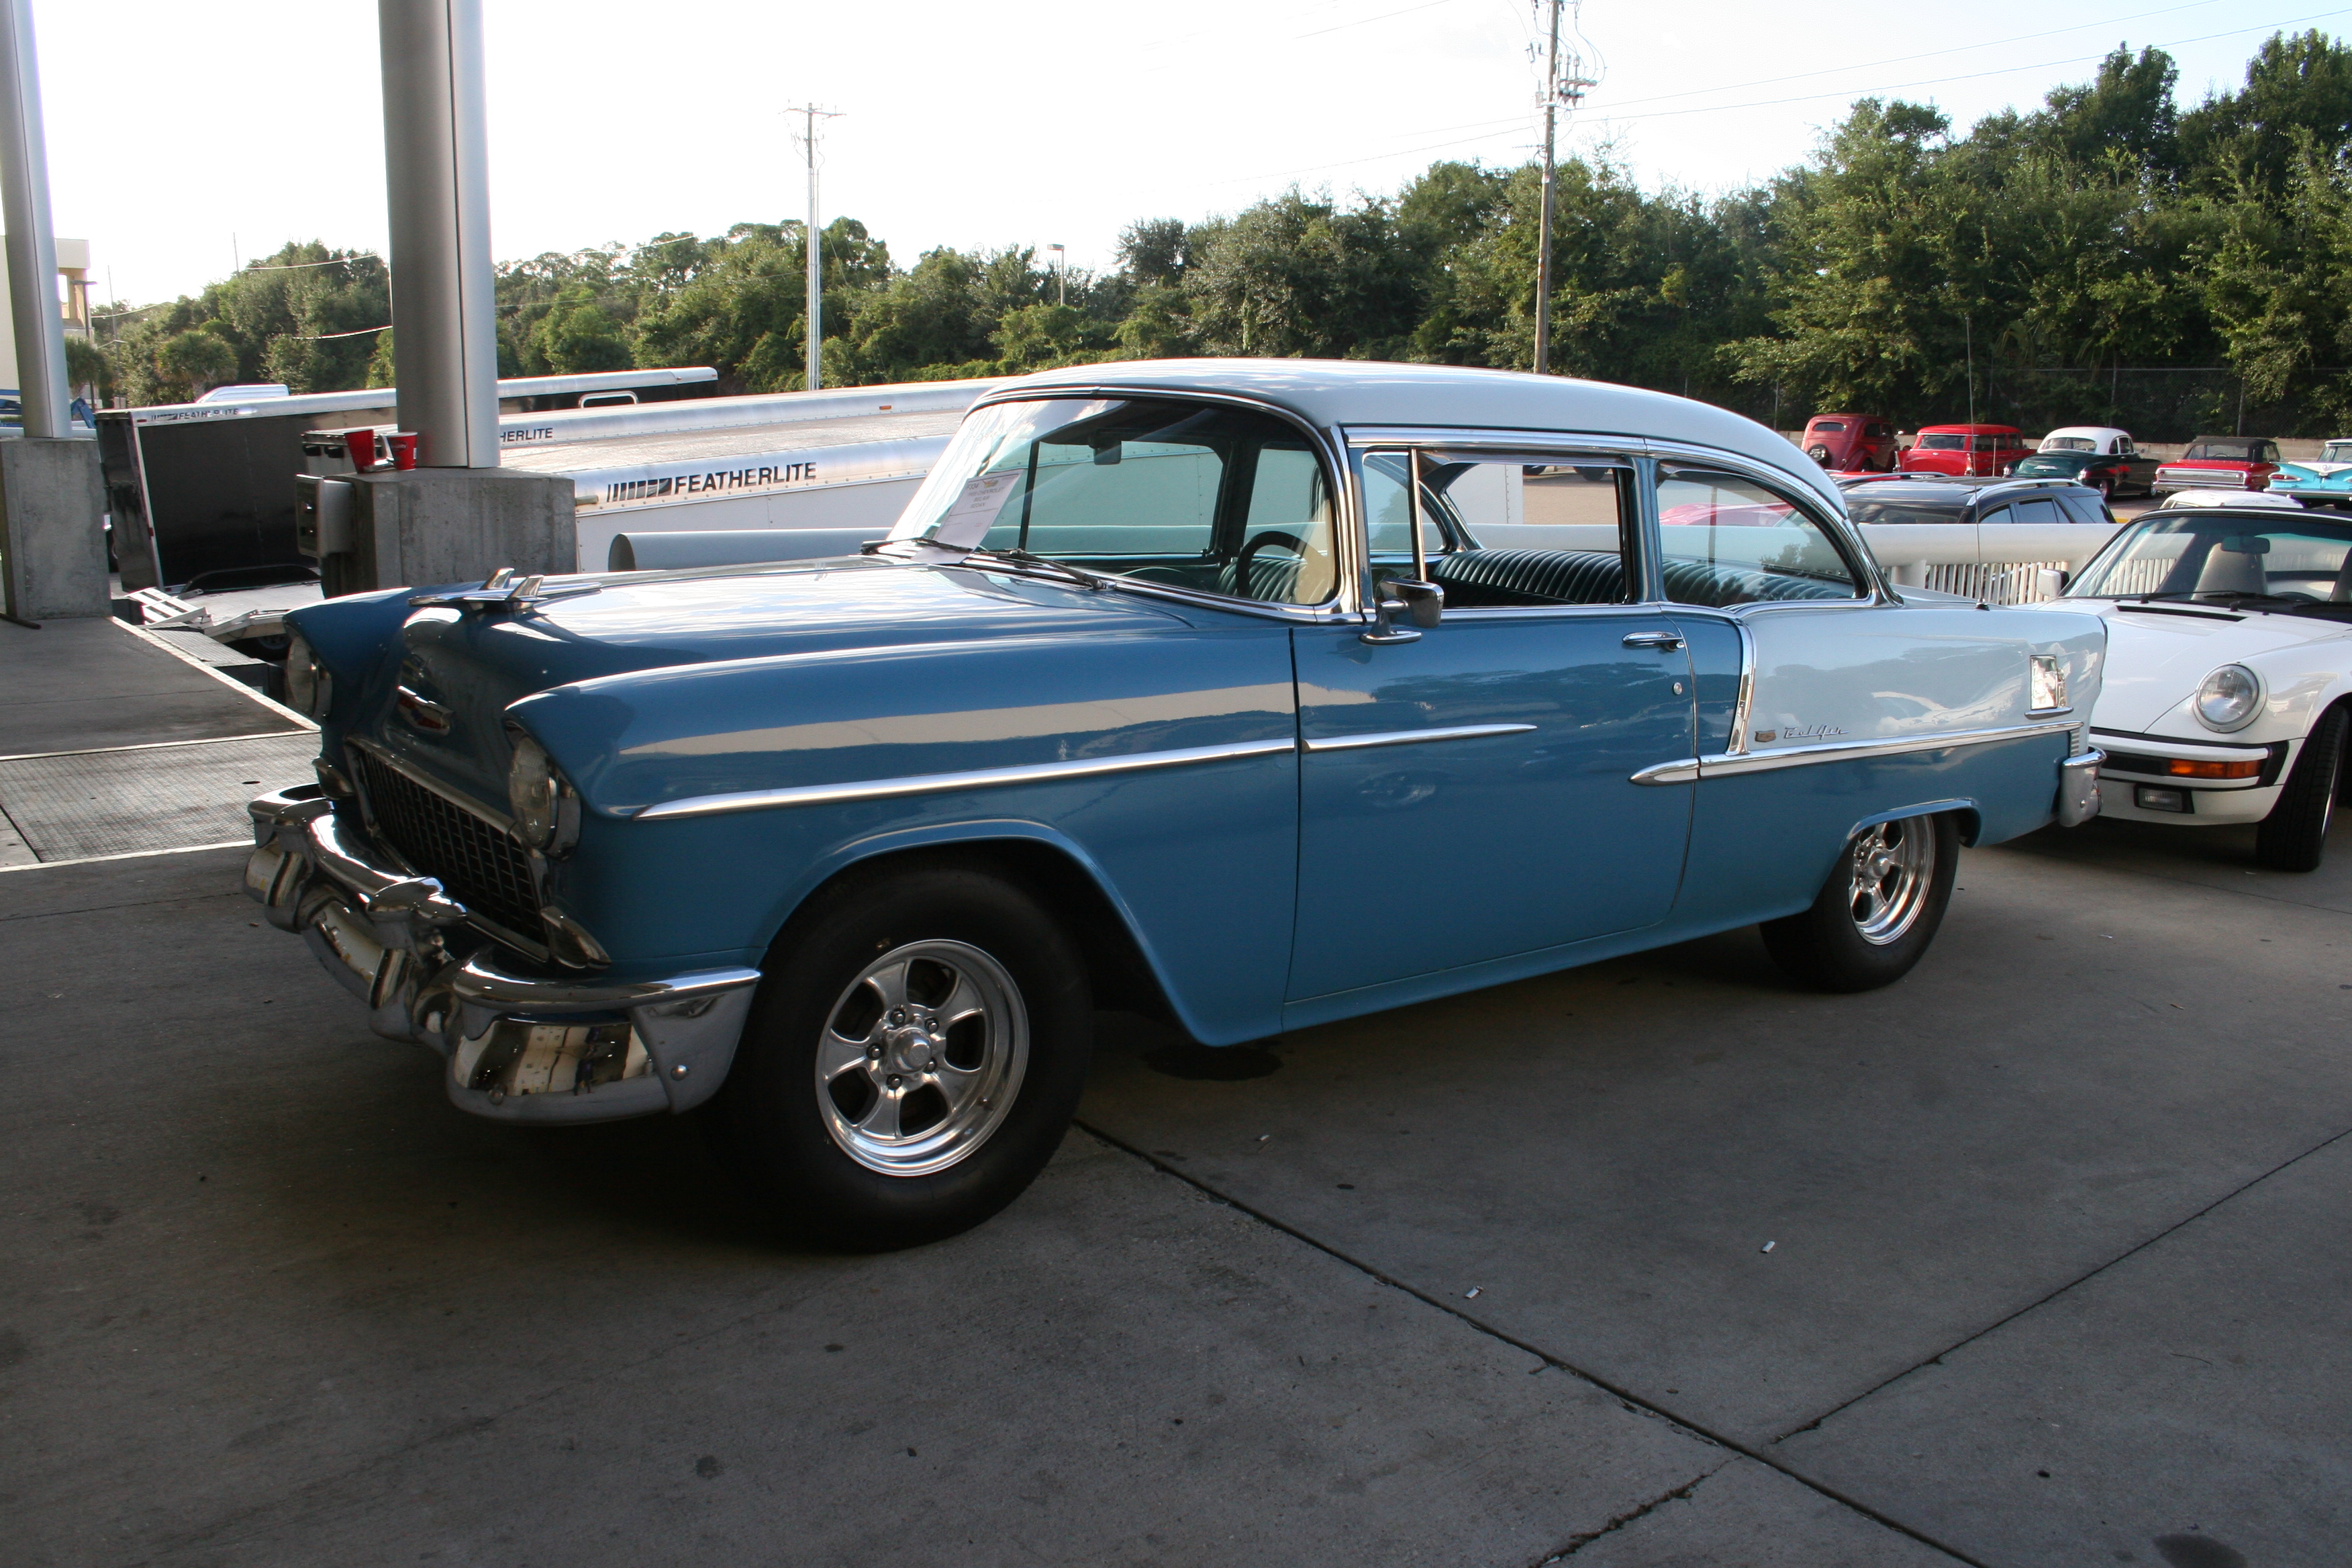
[535,792]
[2229,698]
[309,688]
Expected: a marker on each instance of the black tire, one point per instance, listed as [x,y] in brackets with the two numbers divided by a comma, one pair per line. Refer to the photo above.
[769,1123]
[2294,836]
[1828,947]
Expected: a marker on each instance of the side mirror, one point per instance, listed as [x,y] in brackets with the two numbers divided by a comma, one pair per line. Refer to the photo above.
[2048,584]
[1423,602]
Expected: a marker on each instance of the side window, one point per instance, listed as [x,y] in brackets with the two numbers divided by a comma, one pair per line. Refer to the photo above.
[1998,515]
[2087,507]
[1731,541]
[2038,508]
[1502,531]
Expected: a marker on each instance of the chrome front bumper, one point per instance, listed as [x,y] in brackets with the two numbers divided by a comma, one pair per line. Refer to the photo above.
[2078,787]
[519,1047]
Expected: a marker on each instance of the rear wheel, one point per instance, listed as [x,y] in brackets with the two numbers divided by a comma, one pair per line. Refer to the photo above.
[912,1060]
[2294,836]
[1877,912]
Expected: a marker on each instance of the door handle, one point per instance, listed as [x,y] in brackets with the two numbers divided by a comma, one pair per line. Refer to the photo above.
[1654,639]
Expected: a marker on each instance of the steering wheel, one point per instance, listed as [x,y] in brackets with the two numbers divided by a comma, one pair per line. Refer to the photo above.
[1289,541]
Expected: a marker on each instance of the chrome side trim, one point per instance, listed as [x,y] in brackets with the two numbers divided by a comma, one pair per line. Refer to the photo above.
[1744,703]
[1721,765]
[942,784]
[1413,737]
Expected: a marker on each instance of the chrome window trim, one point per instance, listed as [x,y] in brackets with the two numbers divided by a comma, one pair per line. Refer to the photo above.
[1683,770]
[1618,450]
[1832,519]
[1344,602]
[1411,737]
[857,790]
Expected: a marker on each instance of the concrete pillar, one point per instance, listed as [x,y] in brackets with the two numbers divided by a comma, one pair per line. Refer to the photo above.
[437,185]
[32,243]
[455,517]
[52,547]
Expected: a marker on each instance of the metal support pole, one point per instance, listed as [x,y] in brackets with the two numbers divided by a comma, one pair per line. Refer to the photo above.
[816,249]
[32,242]
[1543,224]
[437,185]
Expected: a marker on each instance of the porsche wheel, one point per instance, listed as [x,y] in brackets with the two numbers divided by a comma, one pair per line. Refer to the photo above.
[2294,836]
[912,1060]
[1878,911]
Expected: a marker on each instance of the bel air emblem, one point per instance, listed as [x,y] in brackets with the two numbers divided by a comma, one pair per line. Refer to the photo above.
[1807,732]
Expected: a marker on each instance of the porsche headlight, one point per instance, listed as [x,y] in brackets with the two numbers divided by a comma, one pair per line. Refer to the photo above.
[2230,699]
[535,792]
[310,689]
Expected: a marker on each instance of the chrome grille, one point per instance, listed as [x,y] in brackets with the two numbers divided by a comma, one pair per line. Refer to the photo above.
[482,867]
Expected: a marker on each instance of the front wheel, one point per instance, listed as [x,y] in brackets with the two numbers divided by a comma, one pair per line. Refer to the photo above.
[911,1062]
[2294,836]
[1878,910]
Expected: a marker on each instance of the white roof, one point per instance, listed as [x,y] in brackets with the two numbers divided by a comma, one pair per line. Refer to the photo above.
[1330,394]
[2103,434]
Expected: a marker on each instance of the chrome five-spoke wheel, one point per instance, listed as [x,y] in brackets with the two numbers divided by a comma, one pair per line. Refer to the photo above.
[1892,866]
[922,1057]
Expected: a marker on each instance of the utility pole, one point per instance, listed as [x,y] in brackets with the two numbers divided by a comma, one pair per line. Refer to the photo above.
[1564,82]
[810,115]
[1061,274]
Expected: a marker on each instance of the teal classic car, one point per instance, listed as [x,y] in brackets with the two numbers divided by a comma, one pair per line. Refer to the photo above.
[2324,480]
[1253,694]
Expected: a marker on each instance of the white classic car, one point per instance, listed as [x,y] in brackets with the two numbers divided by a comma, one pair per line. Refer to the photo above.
[2229,676]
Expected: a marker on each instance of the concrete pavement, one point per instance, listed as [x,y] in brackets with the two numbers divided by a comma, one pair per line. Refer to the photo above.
[2069,1200]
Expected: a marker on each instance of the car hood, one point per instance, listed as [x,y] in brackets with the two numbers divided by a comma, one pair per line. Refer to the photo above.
[2158,658]
[470,666]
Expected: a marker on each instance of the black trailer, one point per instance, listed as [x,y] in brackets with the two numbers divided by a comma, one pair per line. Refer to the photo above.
[205,491]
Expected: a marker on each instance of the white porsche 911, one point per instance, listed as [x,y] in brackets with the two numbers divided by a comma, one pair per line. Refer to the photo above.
[2227,686]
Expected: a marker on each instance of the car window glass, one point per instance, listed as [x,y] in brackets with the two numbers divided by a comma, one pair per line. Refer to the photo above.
[2038,508]
[1997,514]
[1501,530]
[1828,427]
[1218,500]
[2083,506]
[1938,443]
[1727,540]
[2191,556]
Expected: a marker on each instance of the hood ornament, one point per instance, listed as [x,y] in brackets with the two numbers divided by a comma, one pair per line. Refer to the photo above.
[506,590]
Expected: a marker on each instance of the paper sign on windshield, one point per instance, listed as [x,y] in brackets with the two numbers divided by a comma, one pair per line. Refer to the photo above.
[974,513]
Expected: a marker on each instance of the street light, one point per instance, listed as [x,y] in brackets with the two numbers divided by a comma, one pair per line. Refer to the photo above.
[1061,274]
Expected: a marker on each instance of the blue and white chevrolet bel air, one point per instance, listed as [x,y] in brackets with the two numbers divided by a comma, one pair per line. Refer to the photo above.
[1257,694]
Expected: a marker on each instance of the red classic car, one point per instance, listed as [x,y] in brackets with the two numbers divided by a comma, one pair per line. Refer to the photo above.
[1981,451]
[1849,442]
[2220,463]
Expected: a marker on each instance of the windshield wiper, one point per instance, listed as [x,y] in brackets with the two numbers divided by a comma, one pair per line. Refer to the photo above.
[1079,574]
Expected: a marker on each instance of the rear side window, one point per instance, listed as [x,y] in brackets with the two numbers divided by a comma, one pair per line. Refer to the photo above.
[2038,508]
[2084,507]
[1728,540]
[1502,531]
[1828,427]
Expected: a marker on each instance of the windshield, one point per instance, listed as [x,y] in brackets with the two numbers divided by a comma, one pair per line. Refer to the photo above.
[2069,444]
[1218,500]
[1941,443]
[2336,452]
[2223,449]
[2196,555]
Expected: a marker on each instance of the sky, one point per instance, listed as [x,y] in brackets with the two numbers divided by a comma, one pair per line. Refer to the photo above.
[185,136]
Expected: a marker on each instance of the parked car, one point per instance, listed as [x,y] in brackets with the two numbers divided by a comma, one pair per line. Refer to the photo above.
[2228,675]
[2324,480]
[1918,500]
[2184,501]
[2098,455]
[2221,462]
[1160,665]
[1850,442]
[1978,450]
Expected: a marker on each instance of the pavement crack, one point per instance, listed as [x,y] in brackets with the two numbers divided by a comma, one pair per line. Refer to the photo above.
[1641,1403]
[2044,1300]
[1616,1522]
